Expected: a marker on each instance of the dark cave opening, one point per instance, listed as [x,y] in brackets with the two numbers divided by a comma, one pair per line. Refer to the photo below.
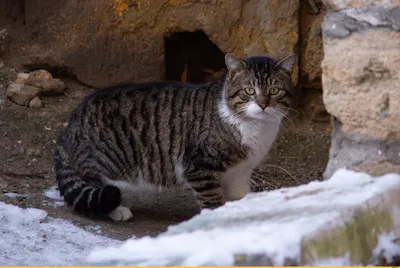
[12,9]
[192,57]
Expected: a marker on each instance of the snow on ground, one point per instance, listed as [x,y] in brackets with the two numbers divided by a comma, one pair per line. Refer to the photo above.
[15,195]
[54,195]
[29,237]
[272,223]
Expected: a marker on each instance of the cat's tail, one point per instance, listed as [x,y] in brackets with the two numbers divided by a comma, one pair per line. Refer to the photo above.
[78,194]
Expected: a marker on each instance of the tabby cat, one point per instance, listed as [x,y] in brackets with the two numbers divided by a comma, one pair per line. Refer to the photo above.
[209,137]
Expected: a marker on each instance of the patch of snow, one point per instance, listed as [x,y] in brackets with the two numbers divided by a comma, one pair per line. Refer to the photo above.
[29,237]
[271,223]
[53,193]
[387,247]
[96,228]
[15,195]
[55,204]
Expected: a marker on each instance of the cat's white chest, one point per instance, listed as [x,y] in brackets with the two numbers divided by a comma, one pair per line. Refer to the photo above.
[259,138]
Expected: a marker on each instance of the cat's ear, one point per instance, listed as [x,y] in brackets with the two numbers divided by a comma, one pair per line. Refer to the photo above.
[233,63]
[287,63]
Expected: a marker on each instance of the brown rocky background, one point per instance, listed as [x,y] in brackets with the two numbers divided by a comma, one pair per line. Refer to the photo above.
[86,44]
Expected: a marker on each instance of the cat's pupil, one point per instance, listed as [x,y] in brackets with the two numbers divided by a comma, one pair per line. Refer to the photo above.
[274,91]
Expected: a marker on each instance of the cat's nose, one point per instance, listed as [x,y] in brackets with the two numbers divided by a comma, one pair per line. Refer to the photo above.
[263,105]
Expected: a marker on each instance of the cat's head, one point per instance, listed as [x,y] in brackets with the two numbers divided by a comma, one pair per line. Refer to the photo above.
[258,88]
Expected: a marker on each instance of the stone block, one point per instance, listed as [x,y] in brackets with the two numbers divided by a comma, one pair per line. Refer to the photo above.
[361,81]
[345,218]
[358,153]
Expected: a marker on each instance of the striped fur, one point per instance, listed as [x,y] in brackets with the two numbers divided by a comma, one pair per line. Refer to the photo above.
[168,134]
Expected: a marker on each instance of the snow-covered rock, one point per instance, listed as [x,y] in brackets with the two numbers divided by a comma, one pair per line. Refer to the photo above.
[336,221]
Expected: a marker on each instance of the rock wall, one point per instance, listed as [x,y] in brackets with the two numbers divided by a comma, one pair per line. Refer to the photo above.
[102,42]
[311,50]
[361,81]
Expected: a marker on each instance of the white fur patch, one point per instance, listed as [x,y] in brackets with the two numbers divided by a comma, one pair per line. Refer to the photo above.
[254,111]
[259,136]
[121,214]
[269,114]
[179,172]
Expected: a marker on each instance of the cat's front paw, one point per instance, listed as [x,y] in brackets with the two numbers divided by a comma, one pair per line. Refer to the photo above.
[121,214]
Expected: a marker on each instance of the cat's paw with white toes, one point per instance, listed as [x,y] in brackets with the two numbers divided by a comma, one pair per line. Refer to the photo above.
[121,214]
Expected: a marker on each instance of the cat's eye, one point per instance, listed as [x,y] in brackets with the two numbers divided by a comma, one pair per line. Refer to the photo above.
[274,91]
[249,91]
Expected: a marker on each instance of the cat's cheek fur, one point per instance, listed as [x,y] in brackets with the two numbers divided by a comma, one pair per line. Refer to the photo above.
[274,114]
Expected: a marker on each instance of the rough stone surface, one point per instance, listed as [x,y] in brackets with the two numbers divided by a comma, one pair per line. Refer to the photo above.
[359,236]
[107,42]
[361,80]
[311,47]
[345,215]
[341,4]
[21,78]
[361,154]
[22,94]
[342,23]
[44,80]
[35,103]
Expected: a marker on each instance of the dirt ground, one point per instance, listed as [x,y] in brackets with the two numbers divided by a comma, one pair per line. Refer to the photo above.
[27,139]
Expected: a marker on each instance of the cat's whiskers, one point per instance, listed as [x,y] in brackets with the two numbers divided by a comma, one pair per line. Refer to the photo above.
[287,117]
[289,109]
[274,112]
[241,115]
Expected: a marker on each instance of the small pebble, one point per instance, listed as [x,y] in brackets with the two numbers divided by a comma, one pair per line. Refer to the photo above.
[36,103]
